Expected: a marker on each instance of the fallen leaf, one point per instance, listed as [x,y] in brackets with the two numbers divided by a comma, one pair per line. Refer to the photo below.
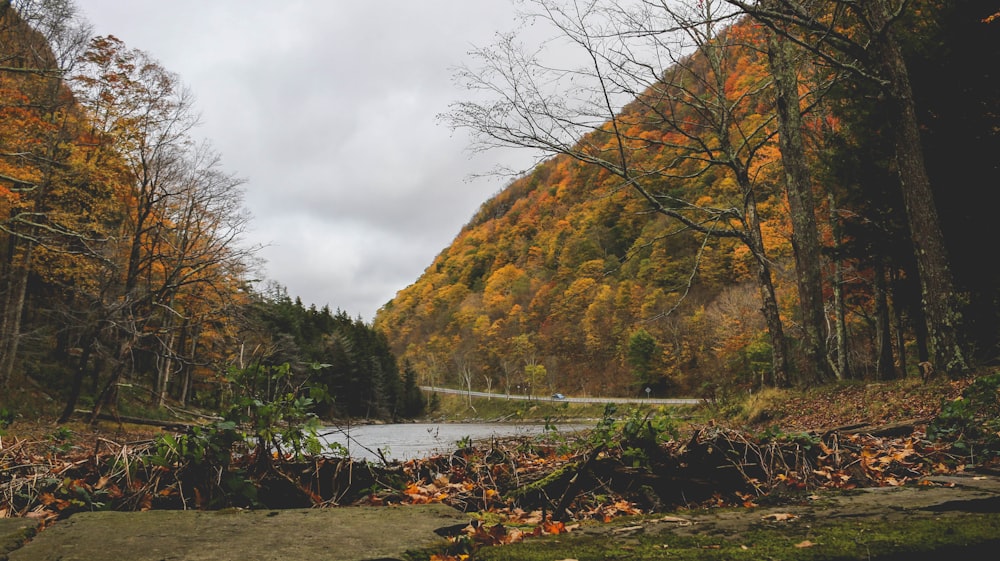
[804,544]
[554,527]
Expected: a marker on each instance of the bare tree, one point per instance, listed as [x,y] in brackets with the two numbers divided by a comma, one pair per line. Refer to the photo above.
[646,67]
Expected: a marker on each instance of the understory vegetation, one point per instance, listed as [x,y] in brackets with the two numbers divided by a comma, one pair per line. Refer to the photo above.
[265,453]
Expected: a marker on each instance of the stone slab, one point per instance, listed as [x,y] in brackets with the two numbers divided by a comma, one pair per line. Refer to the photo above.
[340,534]
[14,532]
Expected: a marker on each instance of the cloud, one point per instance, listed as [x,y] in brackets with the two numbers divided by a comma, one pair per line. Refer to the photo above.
[327,109]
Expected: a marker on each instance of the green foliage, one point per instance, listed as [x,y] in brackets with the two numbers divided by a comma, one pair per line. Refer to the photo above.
[638,435]
[758,355]
[274,408]
[972,422]
[202,460]
[804,440]
[412,401]
[6,418]
[270,416]
[62,439]
[360,372]
[642,351]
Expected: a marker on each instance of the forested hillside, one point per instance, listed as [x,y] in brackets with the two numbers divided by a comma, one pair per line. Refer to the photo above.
[124,277]
[664,244]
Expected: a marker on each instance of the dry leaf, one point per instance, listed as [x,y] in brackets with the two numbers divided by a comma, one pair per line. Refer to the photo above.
[804,544]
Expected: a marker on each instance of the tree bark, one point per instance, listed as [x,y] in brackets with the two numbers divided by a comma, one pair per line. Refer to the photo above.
[843,366]
[942,306]
[12,316]
[883,330]
[802,205]
[769,299]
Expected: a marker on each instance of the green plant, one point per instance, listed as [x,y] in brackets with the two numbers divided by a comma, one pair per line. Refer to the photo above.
[6,418]
[637,435]
[269,419]
[273,407]
[972,422]
[62,439]
[464,443]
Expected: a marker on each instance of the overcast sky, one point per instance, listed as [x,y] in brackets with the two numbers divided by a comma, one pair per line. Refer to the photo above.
[327,108]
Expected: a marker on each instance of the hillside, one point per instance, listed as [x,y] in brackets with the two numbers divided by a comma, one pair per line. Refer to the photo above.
[569,281]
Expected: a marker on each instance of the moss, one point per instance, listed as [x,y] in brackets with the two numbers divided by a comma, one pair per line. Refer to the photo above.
[563,473]
[974,536]
[15,537]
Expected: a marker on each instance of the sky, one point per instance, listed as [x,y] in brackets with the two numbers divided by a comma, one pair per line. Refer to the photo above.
[327,109]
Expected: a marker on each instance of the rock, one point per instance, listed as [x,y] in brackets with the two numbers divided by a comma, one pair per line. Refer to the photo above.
[341,534]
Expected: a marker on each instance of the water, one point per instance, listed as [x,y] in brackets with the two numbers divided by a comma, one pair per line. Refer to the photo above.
[419,440]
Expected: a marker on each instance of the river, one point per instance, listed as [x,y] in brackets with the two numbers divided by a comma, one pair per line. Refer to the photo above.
[417,440]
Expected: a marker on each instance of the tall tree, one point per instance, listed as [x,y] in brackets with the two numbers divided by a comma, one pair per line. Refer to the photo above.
[801,202]
[172,260]
[861,38]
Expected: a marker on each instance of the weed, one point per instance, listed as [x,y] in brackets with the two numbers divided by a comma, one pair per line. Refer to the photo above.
[972,422]
[6,418]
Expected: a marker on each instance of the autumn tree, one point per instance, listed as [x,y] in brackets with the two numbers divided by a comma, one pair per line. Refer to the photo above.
[170,264]
[784,63]
[39,44]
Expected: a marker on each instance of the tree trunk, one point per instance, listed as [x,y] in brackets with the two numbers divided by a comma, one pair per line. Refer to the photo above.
[769,299]
[801,202]
[843,367]
[76,386]
[164,371]
[12,315]
[898,323]
[942,306]
[883,331]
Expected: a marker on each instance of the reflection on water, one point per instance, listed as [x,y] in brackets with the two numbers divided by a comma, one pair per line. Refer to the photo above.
[418,440]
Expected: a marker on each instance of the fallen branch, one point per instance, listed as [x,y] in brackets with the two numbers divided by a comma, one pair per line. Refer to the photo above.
[176,426]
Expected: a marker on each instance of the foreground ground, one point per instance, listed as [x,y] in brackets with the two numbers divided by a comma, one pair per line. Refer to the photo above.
[954,514]
[753,478]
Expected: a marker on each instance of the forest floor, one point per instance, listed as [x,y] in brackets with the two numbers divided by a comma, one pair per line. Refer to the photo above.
[778,474]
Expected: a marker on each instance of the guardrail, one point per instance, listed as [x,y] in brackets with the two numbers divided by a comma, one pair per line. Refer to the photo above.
[569,399]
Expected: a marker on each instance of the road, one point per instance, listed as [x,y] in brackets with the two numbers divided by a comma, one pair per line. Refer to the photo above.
[647,400]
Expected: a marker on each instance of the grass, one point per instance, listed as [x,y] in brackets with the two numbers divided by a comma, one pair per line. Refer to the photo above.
[973,536]
[452,407]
